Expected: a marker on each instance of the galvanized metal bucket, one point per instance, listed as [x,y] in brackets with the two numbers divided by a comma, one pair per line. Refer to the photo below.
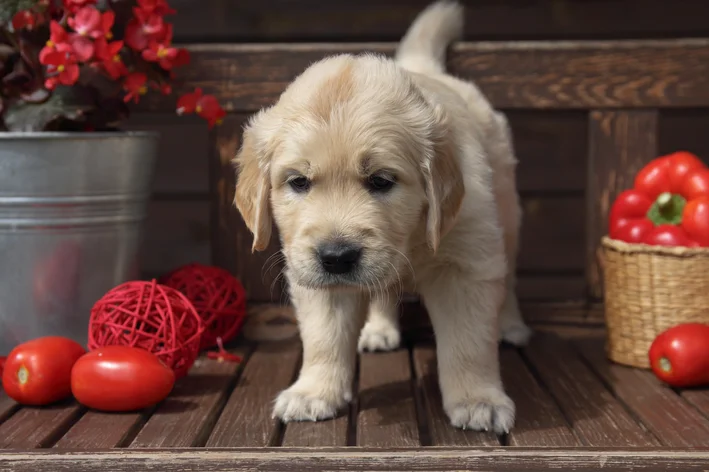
[72,207]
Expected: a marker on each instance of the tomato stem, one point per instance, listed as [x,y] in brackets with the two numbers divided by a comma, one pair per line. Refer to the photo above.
[665,364]
[23,375]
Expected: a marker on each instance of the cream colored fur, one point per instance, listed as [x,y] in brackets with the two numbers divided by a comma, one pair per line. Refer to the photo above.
[447,230]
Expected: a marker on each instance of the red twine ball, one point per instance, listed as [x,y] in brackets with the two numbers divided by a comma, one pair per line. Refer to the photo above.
[150,316]
[218,297]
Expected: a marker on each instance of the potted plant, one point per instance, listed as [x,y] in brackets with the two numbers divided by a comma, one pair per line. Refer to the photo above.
[74,186]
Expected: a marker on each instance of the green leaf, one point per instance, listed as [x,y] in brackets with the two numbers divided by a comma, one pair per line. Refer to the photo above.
[65,103]
[8,8]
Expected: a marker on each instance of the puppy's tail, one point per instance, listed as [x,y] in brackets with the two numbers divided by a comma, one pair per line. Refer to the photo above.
[423,47]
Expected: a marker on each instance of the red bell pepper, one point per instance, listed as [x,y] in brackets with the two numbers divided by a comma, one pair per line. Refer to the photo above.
[668,204]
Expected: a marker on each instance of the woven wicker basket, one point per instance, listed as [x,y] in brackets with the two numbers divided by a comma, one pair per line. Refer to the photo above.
[648,289]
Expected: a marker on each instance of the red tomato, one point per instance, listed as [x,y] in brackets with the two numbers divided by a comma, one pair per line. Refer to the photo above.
[635,231]
[2,365]
[120,378]
[695,184]
[667,235]
[695,220]
[38,372]
[680,355]
[629,208]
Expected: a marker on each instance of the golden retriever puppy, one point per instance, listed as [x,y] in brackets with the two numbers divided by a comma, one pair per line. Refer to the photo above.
[384,175]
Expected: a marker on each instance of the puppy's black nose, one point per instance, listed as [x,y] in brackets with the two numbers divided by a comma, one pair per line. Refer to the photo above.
[339,257]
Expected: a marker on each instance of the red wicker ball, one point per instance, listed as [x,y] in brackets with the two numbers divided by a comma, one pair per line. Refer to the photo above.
[218,296]
[150,316]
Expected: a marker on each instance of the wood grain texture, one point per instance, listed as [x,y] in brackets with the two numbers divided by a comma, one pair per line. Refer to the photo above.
[661,410]
[177,232]
[339,459]
[33,427]
[187,416]
[439,431]
[371,20]
[597,418]
[620,144]
[387,406]
[182,166]
[544,75]
[330,433]
[542,287]
[99,430]
[232,241]
[538,420]
[246,419]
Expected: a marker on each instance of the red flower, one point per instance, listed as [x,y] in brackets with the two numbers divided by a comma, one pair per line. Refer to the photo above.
[24,19]
[134,84]
[58,38]
[182,58]
[63,66]
[87,22]
[75,5]
[108,55]
[163,55]
[141,29]
[107,19]
[157,7]
[206,106]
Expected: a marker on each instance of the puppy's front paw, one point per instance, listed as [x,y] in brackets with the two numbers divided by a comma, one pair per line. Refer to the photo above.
[295,404]
[379,336]
[494,412]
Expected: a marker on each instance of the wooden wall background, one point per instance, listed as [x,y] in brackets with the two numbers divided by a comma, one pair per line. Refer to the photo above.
[190,219]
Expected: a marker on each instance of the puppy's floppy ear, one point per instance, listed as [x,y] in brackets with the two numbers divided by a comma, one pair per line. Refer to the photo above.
[253,187]
[444,182]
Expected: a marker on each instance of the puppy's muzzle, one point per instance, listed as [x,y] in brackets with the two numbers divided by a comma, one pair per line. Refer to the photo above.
[339,257]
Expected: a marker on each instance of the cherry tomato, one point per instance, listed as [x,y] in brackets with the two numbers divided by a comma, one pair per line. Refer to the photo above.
[629,209]
[667,235]
[695,184]
[38,372]
[679,356]
[120,378]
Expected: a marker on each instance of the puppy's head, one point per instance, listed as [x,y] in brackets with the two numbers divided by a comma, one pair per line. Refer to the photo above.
[355,167]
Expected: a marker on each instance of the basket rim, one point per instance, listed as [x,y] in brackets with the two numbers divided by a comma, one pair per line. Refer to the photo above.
[640,248]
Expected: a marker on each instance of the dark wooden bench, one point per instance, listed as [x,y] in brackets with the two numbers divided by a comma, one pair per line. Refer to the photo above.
[586,116]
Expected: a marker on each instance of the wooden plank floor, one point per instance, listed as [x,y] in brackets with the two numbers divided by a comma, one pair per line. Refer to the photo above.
[567,395]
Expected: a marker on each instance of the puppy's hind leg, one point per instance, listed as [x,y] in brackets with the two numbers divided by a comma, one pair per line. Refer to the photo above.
[381,331]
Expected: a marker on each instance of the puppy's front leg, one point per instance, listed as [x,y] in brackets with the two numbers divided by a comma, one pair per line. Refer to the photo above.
[463,313]
[329,323]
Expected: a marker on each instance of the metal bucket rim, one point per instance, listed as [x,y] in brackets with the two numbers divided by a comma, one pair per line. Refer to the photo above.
[35,135]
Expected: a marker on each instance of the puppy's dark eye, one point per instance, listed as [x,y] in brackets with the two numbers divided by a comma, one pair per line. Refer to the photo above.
[299,184]
[380,183]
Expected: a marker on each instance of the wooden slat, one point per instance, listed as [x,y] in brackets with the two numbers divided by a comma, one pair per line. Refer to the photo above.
[246,419]
[7,406]
[596,416]
[684,130]
[177,232]
[329,433]
[387,407]
[540,287]
[98,430]
[186,417]
[539,422]
[231,239]
[560,74]
[665,413]
[373,20]
[699,398]
[343,459]
[546,245]
[33,427]
[439,430]
[620,143]
[549,147]
[182,165]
